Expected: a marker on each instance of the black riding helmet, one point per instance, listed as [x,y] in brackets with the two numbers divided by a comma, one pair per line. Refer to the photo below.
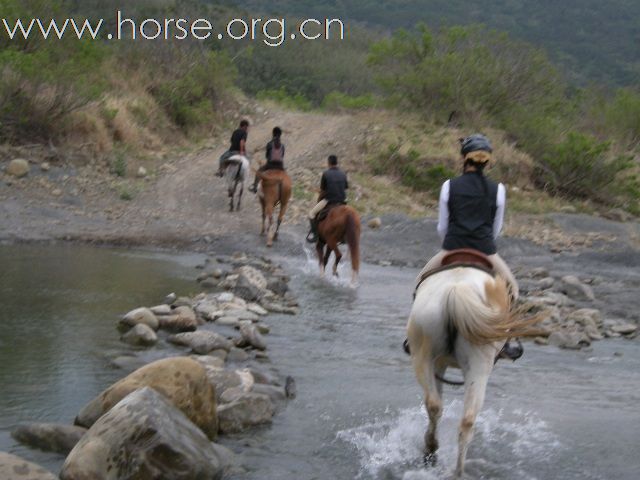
[474,143]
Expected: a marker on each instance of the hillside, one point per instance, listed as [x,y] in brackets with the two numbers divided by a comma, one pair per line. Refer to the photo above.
[593,41]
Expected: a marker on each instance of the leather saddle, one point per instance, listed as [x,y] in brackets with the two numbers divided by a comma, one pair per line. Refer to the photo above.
[463,257]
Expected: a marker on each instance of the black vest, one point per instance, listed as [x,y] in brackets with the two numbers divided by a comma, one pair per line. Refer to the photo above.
[472,209]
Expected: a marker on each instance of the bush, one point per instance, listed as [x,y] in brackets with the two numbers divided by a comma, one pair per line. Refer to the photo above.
[340,101]
[293,101]
[415,172]
[580,166]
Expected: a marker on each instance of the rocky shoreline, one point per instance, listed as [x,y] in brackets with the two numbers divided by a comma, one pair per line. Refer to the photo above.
[214,379]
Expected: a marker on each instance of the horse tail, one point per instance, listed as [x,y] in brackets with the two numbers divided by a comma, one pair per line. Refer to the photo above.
[353,240]
[484,320]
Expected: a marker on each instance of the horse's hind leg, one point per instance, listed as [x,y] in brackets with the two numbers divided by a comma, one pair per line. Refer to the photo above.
[240,196]
[476,371]
[320,253]
[423,364]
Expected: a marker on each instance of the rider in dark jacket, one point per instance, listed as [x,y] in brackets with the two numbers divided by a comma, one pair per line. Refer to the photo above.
[275,157]
[333,186]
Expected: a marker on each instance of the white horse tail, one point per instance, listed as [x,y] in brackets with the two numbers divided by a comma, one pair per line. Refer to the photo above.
[485,319]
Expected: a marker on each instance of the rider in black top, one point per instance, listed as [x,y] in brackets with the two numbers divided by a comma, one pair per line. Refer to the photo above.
[238,145]
[275,157]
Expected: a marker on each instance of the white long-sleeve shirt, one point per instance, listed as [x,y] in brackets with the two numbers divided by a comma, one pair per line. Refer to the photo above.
[443,210]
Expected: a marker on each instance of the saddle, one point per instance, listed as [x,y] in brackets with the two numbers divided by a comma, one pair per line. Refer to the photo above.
[463,257]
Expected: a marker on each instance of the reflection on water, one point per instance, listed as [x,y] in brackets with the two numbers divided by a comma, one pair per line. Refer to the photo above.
[60,305]
[552,415]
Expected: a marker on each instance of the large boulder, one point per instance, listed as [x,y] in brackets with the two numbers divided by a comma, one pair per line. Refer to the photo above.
[182,319]
[18,168]
[16,468]
[143,437]
[202,341]
[183,381]
[251,410]
[253,276]
[247,290]
[49,437]
[251,337]
[140,315]
[574,288]
[140,335]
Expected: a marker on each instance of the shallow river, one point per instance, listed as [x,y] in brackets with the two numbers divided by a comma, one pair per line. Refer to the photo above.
[554,414]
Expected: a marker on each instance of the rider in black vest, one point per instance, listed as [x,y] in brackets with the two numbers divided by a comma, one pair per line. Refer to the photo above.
[471,214]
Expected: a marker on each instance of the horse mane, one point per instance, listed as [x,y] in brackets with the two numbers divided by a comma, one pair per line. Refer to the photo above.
[482,321]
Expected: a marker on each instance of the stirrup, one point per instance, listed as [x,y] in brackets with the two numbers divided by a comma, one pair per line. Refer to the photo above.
[511,352]
[312,237]
[253,188]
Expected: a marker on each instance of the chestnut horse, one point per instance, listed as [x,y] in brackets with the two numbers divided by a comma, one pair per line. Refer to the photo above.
[275,189]
[460,318]
[342,225]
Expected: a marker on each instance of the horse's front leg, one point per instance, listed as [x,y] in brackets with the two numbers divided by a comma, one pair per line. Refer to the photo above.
[338,253]
[476,375]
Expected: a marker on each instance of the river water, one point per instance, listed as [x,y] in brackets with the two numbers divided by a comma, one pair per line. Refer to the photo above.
[554,414]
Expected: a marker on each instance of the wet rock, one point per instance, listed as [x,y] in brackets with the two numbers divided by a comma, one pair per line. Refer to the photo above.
[569,340]
[545,283]
[247,290]
[539,272]
[253,276]
[140,335]
[160,310]
[237,355]
[143,436]
[278,286]
[263,328]
[252,410]
[226,297]
[209,283]
[183,319]
[209,360]
[257,309]
[139,315]
[220,353]
[222,379]
[169,299]
[228,321]
[49,437]
[18,168]
[624,328]
[290,387]
[13,467]
[181,380]
[242,315]
[251,337]
[375,223]
[202,341]
[276,394]
[228,461]
[279,308]
[182,302]
[574,288]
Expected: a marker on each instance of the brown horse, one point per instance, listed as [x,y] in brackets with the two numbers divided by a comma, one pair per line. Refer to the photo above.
[342,225]
[276,189]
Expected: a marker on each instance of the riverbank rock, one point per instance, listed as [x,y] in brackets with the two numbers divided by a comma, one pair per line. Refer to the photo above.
[139,315]
[182,319]
[202,341]
[140,335]
[375,223]
[245,289]
[49,437]
[251,410]
[251,337]
[569,340]
[574,288]
[18,168]
[13,467]
[143,436]
[181,380]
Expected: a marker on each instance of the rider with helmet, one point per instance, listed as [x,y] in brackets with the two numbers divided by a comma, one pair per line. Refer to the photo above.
[471,214]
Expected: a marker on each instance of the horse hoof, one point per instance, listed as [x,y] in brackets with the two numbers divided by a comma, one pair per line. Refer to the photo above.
[430,459]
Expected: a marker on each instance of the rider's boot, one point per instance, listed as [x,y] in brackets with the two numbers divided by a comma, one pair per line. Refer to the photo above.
[511,352]
[312,236]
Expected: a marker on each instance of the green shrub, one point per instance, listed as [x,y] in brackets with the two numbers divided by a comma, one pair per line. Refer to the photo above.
[414,171]
[119,164]
[293,101]
[341,101]
[580,166]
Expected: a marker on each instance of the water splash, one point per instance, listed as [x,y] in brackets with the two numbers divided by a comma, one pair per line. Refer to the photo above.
[344,268]
[393,447]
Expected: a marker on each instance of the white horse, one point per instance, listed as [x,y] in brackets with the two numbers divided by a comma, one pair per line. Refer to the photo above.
[460,318]
[236,174]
